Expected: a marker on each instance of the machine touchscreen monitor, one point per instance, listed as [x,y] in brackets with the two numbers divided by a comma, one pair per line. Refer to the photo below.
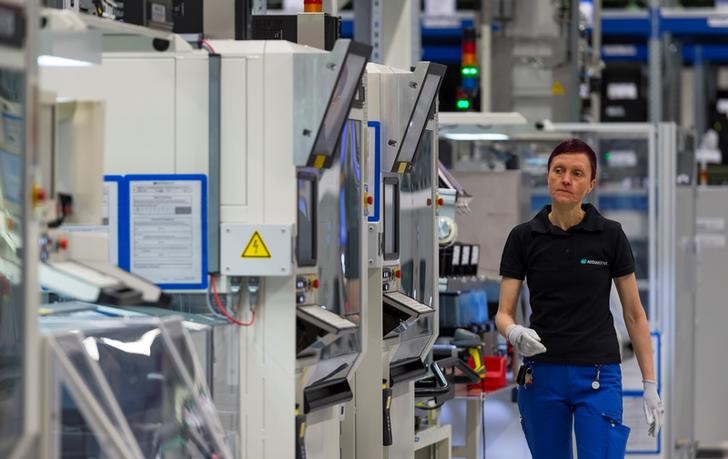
[339,105]
[420,114]
[390,208]
[306,218]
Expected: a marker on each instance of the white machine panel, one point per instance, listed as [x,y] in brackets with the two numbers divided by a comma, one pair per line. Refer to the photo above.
[256,250]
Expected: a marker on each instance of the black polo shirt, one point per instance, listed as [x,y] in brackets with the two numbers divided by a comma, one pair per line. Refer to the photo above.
[569,276]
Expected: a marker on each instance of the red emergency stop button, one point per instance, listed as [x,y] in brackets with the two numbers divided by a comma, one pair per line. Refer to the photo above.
[38,194]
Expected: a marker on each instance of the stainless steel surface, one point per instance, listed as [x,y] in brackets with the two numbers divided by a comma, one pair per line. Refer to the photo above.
[219,19]
[711,315]
[340,225]
[311,30]
[313,87]
[417,242]
[402,95]
[213,176]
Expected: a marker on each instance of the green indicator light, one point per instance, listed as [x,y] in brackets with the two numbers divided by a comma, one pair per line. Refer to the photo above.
[607,155]
[463,104]
[469,71]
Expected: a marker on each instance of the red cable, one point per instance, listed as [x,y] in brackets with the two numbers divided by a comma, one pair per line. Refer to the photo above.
[224,311]
[209,46]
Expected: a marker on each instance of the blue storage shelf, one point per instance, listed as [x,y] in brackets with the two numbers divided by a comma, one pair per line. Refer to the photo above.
[443,44]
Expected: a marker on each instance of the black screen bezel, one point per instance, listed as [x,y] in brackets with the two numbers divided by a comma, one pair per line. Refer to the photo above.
[312,177]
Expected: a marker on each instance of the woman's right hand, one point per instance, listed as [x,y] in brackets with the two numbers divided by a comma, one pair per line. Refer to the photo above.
[525,340]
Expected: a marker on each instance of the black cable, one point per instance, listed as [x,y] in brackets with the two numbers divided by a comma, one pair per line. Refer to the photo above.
[482,420]
[431,408]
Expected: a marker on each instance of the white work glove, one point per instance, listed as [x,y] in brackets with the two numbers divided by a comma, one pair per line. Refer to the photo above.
[653,408]
[526,340]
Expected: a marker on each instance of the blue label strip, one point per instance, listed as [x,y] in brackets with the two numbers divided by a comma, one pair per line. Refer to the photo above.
[377,172]
[125,227]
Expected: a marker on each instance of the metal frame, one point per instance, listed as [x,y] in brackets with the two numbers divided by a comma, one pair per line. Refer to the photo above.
[663,247]
[26,446]
[118,445]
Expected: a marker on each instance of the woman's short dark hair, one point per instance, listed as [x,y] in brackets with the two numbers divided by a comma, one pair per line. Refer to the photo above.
[575,146]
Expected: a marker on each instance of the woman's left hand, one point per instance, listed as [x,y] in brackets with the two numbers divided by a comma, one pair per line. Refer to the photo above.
[654,411]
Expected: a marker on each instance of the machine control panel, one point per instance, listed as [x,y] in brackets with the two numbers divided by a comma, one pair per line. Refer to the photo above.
[390,278]
[306,289]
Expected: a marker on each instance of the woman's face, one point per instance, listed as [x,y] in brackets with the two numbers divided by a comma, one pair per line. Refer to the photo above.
[570,178]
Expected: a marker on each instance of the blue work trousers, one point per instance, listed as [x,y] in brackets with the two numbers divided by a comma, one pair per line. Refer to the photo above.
[560,397]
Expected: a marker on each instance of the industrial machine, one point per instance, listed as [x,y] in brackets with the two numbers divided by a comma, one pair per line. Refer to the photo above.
[18,265]
[300,184]
[266,190]
[402,265]
[124,389]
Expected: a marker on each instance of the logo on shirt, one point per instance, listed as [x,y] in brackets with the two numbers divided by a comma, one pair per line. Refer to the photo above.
[587,261]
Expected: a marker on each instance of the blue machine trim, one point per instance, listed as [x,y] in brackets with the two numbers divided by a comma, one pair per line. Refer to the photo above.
[124,242]
[123,255]
[444,54]
[639,25]
[636,26]
[377,168]
[347,29]
[427,33]
[693,26]
[121,207]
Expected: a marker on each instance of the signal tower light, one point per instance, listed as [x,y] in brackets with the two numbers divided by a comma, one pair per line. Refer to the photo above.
[313,6]
[462,102]
[468,71]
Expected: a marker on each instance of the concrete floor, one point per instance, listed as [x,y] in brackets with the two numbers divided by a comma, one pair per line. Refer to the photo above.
[503,434]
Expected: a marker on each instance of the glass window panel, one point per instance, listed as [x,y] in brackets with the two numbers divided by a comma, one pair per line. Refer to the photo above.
[12,300]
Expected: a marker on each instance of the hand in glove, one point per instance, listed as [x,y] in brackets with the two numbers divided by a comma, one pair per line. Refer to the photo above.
[653,407]
[526,340]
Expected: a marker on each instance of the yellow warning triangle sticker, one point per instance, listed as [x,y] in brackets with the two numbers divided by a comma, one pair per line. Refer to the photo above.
[256,248]
[558,89]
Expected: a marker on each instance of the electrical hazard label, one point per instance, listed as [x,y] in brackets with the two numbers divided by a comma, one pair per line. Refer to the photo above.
[256,248]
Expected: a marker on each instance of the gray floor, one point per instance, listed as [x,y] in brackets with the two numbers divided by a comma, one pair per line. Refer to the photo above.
[503,434]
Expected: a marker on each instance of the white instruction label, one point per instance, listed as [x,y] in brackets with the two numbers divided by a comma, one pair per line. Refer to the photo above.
[165,234]
[465,257]
[456,255]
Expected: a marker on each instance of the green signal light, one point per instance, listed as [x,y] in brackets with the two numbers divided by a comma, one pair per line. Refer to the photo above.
[463,104]
[469,71]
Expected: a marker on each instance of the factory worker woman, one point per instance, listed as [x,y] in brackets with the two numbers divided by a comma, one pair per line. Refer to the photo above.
[569,255]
